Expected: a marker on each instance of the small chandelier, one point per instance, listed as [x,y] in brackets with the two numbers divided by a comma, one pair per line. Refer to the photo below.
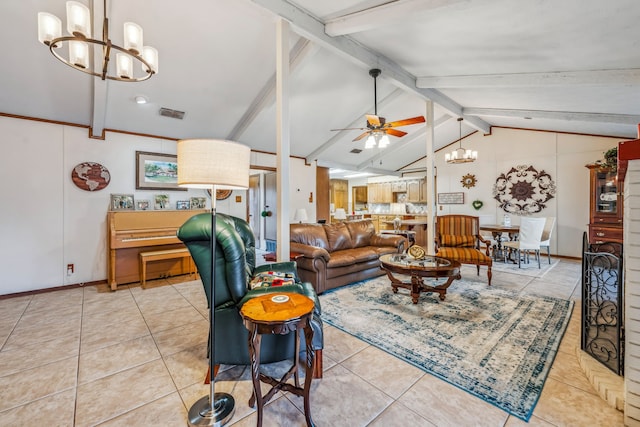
[460,155]
[378,138]
[79,42]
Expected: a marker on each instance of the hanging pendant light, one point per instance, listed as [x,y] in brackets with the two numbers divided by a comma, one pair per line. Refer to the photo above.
[80,45]
[461,155]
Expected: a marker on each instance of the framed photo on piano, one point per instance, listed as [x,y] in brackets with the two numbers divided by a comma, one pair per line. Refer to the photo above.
[122,202]
[157,171]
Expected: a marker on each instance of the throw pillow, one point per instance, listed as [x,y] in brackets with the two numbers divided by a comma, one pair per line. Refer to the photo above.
[271,278]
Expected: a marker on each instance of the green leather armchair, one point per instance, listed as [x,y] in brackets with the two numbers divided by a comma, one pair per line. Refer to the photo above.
[235,266]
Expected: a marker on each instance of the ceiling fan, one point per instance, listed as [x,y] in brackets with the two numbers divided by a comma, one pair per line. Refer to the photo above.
[377,128]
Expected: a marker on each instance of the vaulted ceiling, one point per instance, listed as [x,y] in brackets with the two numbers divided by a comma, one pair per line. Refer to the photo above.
[561,65]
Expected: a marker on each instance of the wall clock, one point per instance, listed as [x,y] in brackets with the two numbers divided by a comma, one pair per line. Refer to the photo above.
[523,190]
[468,181]
[90,176]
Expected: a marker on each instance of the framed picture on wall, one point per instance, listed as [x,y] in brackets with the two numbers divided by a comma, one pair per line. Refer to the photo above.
[182,205]
[157,171]
[122,202]
[142,205]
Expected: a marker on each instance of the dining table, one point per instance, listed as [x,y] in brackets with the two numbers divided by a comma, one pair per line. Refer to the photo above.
[498,232]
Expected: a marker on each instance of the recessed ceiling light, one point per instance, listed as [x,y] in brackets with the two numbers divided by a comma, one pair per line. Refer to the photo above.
[141,99]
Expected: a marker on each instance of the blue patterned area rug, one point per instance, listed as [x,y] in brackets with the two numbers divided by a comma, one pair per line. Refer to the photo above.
[495,344]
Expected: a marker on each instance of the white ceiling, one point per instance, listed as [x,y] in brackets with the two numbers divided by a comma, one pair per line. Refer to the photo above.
[567,65]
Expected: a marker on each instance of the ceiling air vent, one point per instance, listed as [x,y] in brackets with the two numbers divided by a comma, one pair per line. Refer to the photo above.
[174,114]
[356,151]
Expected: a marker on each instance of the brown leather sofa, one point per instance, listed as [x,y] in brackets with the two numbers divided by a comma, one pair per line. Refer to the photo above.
[334,255]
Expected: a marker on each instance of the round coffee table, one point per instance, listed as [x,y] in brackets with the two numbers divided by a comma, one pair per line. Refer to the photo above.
[418,269]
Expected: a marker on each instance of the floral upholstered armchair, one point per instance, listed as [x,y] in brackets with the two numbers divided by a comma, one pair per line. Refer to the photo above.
[458,238]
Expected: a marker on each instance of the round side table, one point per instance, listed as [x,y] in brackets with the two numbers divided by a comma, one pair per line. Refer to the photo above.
[279,313]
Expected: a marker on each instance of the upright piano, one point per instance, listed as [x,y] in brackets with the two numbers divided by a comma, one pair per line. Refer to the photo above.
[132,232]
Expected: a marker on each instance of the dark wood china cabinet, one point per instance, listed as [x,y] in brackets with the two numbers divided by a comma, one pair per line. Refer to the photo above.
[605,205]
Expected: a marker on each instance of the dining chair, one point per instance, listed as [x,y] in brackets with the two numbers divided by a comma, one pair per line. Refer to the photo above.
[529,239]
[546,235]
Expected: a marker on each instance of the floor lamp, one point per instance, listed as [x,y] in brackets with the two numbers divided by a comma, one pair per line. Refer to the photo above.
[216,165]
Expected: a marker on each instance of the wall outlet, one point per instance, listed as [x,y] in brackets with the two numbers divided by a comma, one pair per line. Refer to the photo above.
[70,269]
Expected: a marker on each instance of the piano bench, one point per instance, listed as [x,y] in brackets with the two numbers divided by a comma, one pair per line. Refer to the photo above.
[146,257]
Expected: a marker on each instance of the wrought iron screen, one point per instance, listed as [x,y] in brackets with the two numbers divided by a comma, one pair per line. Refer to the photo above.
[602,304]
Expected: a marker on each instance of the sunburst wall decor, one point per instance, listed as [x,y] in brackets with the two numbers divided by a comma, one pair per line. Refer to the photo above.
[523,190]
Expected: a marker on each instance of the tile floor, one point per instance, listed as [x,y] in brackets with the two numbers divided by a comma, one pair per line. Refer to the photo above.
[137,357]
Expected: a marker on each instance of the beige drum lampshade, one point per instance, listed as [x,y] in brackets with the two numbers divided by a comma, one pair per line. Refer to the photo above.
[203,163]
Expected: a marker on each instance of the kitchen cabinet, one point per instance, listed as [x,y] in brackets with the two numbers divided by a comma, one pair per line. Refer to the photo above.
[339,189]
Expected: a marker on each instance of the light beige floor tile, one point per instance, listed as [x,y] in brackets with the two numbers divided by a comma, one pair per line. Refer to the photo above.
[343,398]
[26,335]
[398,415]
[566,369]
[97,300]
[533,422]
[116,358]
[43,318]
[161,321]
[26,386]
[97,321]
[189,366]
[384,371]
[278,413]
[166,411]
[58,410]
[339,345]
[111,396]
[235,381]
[54,300]
[563,405]
[33,355]
[12,308]
[183,337]
[113,333]
[455,407]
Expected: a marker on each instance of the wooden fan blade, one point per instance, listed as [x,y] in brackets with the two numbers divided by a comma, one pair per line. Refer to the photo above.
[405,122]
[373,120]
[359,137]
[348,129]
[395,132]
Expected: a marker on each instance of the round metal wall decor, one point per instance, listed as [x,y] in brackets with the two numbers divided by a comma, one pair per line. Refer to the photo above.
[523,190]
[468,181]
[90,176]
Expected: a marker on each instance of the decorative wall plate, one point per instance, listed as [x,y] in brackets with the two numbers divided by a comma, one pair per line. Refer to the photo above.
[523,190]
[221,194]
[90,176]
[468,181]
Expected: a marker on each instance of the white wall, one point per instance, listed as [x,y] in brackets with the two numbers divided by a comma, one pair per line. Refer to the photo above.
[563,156]
[47,222]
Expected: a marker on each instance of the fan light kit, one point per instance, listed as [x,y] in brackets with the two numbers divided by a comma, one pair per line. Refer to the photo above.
[460,155]
[80,41]
[378,129]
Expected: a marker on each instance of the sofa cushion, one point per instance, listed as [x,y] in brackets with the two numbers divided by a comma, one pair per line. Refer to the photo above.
[309,234]
[361,232]
[465,255]
[457,241]
[352,256]
[338,237]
